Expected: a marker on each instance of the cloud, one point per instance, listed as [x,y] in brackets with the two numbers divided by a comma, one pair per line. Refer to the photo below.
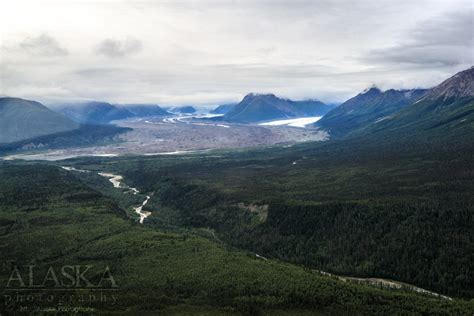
[213,51]
[119,48]
[42,45]
[441,41]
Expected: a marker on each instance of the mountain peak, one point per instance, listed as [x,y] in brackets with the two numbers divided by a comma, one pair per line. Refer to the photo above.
[458,86]
[261,95]
[373,89]
[256,107]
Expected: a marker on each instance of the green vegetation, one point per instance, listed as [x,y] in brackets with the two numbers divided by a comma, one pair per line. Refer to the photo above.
[394,202]
[367,108]
[446,110]
[451,118]
[393,210]
[50,217]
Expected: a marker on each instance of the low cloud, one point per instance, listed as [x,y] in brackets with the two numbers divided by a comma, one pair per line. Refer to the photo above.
[42,45]
[119,48]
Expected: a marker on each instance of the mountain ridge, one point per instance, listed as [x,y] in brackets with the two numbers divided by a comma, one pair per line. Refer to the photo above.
[97,112]
[22,119]
[186,109]
[458,86]
[256,107]
[223,108]
[365,108]
[447,108]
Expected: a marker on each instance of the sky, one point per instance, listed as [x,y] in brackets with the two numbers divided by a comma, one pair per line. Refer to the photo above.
[206,53]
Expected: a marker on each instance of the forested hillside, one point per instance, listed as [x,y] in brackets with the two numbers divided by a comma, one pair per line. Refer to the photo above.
[59,220]
[400,211]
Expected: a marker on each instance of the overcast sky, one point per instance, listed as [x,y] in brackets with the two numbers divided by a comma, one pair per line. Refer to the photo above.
[211,52]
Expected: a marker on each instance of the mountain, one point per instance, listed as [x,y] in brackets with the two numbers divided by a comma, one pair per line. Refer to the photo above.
[145,110]
[224,108]
[104,113]
[85,135]
[183,110]
[366,108]
[313,107]
[459,86]
[23,119]
[267,107]
[93,112]
[445,110]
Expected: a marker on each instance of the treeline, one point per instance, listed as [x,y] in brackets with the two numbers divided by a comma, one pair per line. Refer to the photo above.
[425,244]
[159,272]
[399,211]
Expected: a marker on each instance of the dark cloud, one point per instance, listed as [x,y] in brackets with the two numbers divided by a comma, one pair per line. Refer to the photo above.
[443,41]
[119,48]
[42,45]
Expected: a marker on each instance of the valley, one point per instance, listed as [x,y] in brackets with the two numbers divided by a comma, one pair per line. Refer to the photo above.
[237,158]
[116,181]
[175,270]
[365,210]
[155,136]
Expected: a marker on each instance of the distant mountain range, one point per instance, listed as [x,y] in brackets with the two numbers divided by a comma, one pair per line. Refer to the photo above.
[23,119]
[448,106]
[28,125]
[104,113]
[267,107]
[224,108]
[145,110]
[313,107]
[183,110]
